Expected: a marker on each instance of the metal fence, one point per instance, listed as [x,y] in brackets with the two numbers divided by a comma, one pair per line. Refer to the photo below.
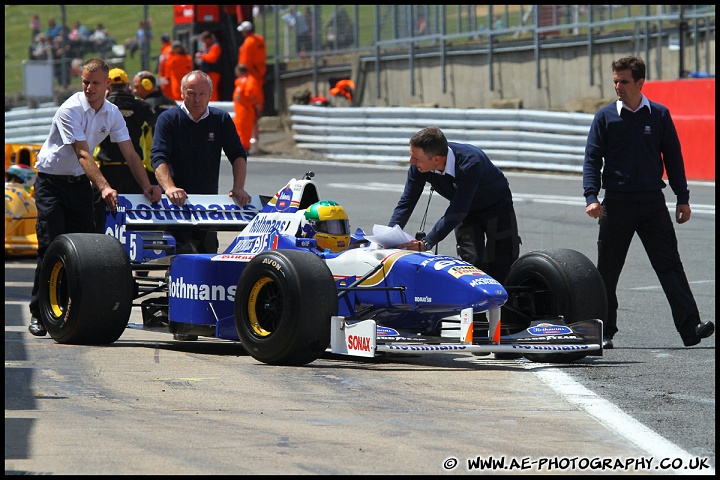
[309,39]
[314,32]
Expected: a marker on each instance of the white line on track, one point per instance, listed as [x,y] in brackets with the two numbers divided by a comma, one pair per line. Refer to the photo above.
[614,418]
[517,197]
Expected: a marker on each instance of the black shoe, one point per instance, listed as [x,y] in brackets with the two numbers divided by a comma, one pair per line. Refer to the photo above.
[608,344]
[702,330]
[37,328]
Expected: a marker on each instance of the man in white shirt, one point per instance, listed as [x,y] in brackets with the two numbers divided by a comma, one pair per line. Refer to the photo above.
[66,168]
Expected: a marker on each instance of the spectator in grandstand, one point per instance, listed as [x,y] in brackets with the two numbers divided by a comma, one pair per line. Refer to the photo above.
[62,58]
[143,35]
[296,21]
[41,49]
[79,32]
[34,25]
[339,29]
[421,28]
[53,29]
[100,40]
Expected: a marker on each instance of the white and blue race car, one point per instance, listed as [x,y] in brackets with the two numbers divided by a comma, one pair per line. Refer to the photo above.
[288,298]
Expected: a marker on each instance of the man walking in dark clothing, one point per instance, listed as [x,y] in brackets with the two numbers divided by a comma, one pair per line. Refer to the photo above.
[631,142]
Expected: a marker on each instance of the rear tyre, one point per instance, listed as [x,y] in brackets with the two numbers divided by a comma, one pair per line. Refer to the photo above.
[559,282]
[86,289]
[283,306]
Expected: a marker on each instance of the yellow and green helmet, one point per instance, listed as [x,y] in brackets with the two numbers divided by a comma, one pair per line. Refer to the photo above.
[331,225]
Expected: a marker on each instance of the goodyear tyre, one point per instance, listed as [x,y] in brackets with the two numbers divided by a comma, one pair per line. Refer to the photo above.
[283,306]
[559,282]
[86,289]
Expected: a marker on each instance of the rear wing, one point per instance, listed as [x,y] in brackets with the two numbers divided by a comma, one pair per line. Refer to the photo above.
[213,212]
[145,229]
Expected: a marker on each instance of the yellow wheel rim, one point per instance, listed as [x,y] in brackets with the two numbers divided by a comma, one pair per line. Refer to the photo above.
[252,306]
[55,281]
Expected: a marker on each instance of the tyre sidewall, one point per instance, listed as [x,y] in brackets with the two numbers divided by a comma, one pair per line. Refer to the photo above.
[94,304]
[308,298]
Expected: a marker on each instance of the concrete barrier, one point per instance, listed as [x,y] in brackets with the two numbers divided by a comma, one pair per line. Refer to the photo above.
[512,138]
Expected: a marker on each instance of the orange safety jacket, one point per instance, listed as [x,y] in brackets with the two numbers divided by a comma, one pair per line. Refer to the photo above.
[177,66]
[247,105]
[253,54]
[344,88]
[211,65]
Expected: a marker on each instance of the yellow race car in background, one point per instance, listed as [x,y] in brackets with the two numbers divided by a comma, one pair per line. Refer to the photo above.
[20,211]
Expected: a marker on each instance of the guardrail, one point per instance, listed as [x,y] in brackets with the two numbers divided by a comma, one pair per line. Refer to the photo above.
[29,125]
[522,139]
[525,139]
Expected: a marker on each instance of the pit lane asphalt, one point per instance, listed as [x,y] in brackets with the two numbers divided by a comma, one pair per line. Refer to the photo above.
[148,404]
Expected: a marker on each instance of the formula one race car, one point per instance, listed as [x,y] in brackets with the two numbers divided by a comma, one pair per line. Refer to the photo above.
[296,282]
[20,212]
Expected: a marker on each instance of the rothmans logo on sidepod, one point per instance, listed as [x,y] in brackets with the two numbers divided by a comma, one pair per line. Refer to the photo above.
[179,288]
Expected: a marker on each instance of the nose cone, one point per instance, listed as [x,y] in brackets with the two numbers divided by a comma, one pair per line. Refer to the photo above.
[450,282]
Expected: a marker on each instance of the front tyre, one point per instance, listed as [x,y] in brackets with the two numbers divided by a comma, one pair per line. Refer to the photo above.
[283,306]
[554,283]
[86,289]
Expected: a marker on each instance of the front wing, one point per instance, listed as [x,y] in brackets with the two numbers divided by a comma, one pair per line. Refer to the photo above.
[365,338]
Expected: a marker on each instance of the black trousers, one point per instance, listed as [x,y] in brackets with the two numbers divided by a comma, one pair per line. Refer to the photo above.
[490,241]
[64,205]
[653,224]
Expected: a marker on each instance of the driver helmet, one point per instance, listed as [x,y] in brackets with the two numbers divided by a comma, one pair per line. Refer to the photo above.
[19,173]
[331,225]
